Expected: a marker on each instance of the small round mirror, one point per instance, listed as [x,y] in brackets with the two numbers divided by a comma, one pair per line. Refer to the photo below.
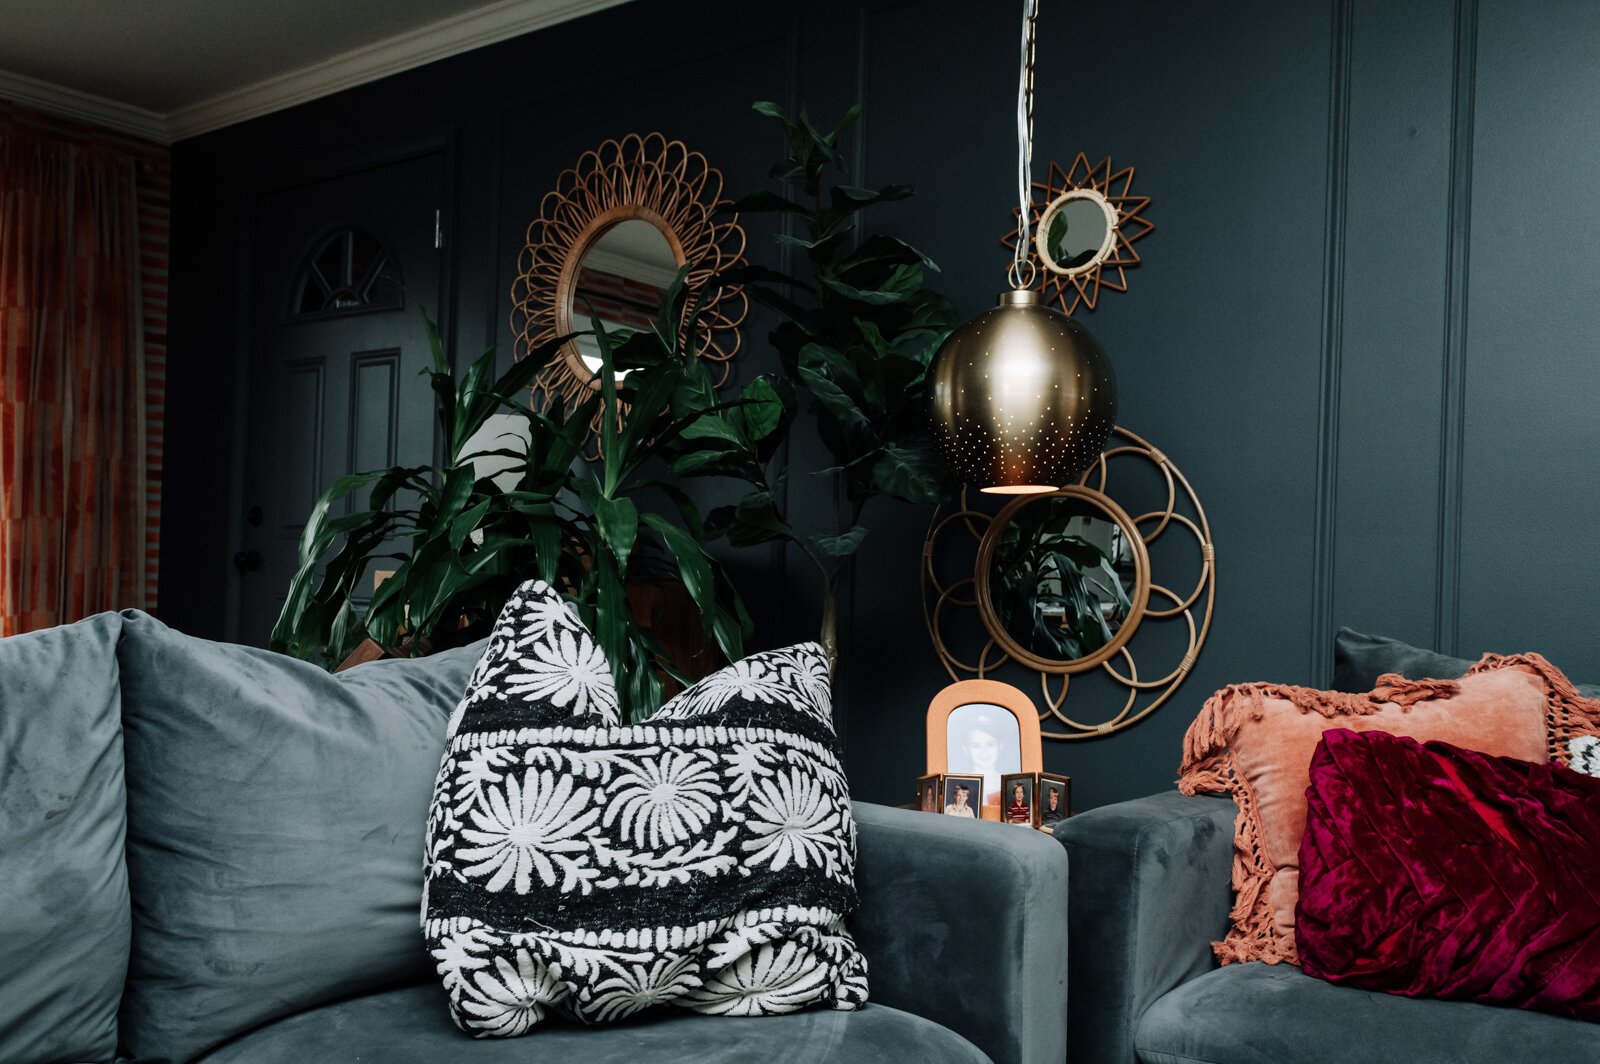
[1077,231]
[620,280]
[1063,579]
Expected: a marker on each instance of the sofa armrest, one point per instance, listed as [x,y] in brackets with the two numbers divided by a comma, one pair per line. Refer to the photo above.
[962,922]
[1151,890]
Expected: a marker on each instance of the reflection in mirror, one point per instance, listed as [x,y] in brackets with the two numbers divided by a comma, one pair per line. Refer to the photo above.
[1062,578]
[1074,231]
[621,280]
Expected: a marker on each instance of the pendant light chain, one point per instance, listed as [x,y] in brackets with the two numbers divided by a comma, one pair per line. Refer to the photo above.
[1021,273]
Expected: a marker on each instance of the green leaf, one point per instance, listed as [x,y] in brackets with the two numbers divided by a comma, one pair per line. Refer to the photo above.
[694,569]
[762,412]
[911,474]
[466,523]
[619,527]
[840,545]
[831,380]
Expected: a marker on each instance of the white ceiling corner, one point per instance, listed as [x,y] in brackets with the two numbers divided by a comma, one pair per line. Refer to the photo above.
[296,83]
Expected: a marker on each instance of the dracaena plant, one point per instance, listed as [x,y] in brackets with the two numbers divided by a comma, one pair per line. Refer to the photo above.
[858,328]
[460,544]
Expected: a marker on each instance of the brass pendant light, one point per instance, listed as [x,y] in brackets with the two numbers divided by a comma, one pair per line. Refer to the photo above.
[1024,398]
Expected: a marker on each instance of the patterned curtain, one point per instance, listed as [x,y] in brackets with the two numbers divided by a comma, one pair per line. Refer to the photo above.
[72,388]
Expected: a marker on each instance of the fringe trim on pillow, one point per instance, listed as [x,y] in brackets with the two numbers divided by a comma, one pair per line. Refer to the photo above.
[1209,767]
[1568,715]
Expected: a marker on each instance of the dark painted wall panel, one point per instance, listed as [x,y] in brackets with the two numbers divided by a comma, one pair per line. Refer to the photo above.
[1395,230]
[1285,341]
[1529,574]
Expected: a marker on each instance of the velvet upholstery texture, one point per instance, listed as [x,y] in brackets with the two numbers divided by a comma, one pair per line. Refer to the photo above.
[64,906]
[412,1026]
[962,922]
[1432,871]
[1149,894]
[1360,659]
[275,827]
[1255,741]
[1276,1014]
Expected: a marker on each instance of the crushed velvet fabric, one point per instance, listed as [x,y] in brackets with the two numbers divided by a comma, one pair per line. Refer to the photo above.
[1254,742]
[1428,870]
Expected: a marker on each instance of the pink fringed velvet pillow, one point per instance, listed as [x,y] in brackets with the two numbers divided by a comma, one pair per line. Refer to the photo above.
[1431,871]
[1254,741]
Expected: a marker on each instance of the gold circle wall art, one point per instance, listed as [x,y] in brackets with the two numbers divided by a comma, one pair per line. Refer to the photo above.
[1084,220]
[1104,587]
[609,240]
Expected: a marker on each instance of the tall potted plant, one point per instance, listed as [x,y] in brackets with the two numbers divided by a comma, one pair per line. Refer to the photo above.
[461,543]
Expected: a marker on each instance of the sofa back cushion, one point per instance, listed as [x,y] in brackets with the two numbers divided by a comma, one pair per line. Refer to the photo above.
[64,915]
[1360,659]
[275,830]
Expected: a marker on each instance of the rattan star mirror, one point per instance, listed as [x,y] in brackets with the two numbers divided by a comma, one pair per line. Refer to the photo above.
[609,239]
[1086,587]
[1085,220]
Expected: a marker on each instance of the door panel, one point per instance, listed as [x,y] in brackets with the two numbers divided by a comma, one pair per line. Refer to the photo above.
[338,349]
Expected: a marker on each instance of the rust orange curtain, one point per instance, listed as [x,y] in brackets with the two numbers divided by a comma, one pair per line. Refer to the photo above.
[72,389]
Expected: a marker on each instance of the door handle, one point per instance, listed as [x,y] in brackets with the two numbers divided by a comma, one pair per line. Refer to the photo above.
[247,561]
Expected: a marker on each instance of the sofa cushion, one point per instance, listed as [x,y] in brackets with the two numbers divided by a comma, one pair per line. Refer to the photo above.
[1273,1014]
[1359,659]
[412,1026]
[64,914]
[275,830]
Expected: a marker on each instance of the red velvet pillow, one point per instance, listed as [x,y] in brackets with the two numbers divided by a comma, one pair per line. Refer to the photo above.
[1431,871]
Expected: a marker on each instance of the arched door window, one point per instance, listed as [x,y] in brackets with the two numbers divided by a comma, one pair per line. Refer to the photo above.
[348,272]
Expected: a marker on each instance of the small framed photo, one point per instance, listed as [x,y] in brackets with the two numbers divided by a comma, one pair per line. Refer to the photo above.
[962,794]
[1017,798]
[929,789]
[1055,800]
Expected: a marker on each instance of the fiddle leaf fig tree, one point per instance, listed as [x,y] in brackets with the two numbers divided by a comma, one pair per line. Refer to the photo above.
[461,543]
[858,329]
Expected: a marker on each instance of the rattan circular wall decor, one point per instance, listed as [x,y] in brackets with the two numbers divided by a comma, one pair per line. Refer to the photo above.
[1070,584]
[638,178]
[1085,220]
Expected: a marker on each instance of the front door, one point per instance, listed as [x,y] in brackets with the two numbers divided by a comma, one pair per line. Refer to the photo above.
[338,349]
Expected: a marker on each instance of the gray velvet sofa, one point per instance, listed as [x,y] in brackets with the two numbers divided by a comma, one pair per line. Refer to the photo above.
[213,853]
[1151,892]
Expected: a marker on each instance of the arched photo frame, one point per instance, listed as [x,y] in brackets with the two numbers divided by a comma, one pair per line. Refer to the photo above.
[972,719]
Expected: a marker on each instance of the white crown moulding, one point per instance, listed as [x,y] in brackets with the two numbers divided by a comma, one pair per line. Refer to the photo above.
[486,25]
[85,107]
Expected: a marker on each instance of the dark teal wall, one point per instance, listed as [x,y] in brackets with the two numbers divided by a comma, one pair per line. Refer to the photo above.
[1364,327]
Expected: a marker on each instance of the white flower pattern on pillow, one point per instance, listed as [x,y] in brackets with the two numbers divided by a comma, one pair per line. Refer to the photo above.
[665,801]
[534,826]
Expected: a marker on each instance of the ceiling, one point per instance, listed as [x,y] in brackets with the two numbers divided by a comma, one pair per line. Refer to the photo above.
[168,69]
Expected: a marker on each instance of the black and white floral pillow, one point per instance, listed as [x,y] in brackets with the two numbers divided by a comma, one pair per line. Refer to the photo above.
[1585,752]
[704,858]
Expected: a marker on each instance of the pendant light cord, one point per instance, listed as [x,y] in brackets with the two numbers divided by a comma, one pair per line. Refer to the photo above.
[1022,271]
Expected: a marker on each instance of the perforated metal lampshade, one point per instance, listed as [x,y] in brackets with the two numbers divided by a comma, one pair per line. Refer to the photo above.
[1024,398]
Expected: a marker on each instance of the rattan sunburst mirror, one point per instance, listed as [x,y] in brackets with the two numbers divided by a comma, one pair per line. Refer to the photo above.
[1085,220]
[609,239]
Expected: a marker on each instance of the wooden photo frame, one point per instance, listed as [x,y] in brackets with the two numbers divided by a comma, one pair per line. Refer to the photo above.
[1019,799]
[1046,816]
[958,792]
[983,728]
[930,790]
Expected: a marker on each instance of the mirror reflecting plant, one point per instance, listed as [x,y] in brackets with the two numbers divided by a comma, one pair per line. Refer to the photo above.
[1055,590]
